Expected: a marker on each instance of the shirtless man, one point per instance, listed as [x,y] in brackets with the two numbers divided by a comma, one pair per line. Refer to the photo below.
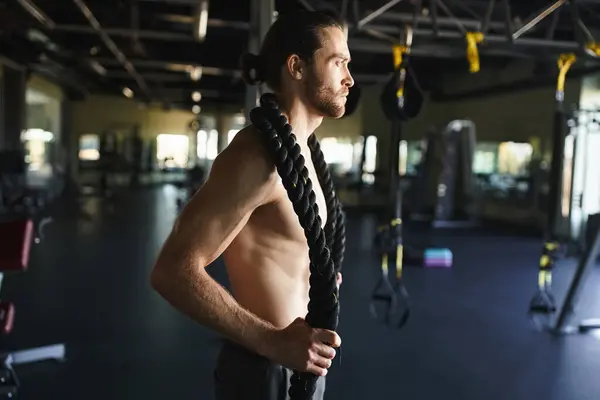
[243,212]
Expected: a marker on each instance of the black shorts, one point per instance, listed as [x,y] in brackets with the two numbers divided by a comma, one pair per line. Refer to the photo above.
[242,374]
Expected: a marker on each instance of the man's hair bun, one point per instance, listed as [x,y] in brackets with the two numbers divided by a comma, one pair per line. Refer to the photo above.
[252,69]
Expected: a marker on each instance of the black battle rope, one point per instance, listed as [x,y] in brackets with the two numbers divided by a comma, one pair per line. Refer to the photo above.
[335,229]
[323,305]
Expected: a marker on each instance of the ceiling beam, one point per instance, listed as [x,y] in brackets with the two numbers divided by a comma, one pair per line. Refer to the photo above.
[174,66]
[184,94]
[181,37]
[128,32]
[212,71]
[185,2]
[434,50]
[372,47]
[97,28]
[211,23]
[153,77]
[37,13]
[472,24]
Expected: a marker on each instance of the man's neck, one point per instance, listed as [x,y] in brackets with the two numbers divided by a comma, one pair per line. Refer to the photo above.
[303,121]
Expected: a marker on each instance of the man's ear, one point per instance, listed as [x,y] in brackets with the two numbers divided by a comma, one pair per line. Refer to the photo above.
[295,67]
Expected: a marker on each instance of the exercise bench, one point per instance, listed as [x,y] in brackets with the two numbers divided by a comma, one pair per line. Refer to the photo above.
[15,243]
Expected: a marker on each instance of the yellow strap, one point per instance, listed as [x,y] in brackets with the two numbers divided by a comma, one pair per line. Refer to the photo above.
[399,51]
[594,48]
[542,279]
[564,63]
[399,251]
[473,39]
[546,258]
[396,221]
[551,246]
[384,263]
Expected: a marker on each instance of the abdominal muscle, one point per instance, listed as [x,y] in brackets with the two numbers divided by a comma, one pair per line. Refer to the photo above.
[269,273]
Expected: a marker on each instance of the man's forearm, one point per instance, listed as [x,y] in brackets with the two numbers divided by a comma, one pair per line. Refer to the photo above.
[201,298]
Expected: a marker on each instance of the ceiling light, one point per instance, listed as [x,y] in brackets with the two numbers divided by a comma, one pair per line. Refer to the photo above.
[196,96]
[127,92]
[201,22]
[195,73]
[196,109]
[97,67]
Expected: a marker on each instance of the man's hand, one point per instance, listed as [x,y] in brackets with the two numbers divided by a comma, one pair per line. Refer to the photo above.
[302,348]
[339,279]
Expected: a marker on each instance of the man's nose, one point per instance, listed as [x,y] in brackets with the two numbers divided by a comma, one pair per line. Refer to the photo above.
[349,80]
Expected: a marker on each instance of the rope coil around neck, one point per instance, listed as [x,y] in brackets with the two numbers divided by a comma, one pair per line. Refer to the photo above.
[323,305]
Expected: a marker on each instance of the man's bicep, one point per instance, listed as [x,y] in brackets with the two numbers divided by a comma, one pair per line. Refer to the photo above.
[221,208]
[211,220]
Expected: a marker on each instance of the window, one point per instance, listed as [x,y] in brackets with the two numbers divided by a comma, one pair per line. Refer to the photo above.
[370,159]
[172,151]
[338,153]
[567,175]
[484,158]
[514,158]
[402,153]
[506,158]
[231,134]
[89,147]
[358,150]
[370,154]
[208,144]
[410,154]
[591,200]
[212,144]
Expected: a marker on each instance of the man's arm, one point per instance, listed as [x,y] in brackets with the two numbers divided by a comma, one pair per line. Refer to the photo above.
[241,179]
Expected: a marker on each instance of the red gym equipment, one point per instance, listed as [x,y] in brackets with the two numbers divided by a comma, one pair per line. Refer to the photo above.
[15,245]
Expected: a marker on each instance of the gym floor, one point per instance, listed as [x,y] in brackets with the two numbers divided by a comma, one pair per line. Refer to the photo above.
[468,338]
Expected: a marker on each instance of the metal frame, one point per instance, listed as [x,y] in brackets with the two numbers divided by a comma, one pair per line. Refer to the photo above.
[110,44]
[9,381]
[584,267]
[441,34]
[447,31]
[512,39]
[262,14]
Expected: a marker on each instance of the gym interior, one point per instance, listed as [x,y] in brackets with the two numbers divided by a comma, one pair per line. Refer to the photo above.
[464,165]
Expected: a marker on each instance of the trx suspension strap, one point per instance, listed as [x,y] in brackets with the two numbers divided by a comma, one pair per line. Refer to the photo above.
[543,305]
[473,39]
[393,297]
[593,48]
[402,97]
[400,66]
[325,253]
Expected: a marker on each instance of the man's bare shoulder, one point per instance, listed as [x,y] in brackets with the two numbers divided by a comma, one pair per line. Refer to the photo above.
[247,159]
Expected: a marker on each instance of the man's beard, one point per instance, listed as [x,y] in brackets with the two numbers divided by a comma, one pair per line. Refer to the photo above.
[323,98]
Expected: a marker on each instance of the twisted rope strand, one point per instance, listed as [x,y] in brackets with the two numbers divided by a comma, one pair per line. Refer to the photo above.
[335,230]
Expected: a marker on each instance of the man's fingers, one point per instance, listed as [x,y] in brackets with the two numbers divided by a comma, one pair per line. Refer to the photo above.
[316,370]
[324,350]
[329,337]
[322,362]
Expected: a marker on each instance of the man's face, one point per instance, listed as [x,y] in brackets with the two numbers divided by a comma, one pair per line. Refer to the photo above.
[328,79]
